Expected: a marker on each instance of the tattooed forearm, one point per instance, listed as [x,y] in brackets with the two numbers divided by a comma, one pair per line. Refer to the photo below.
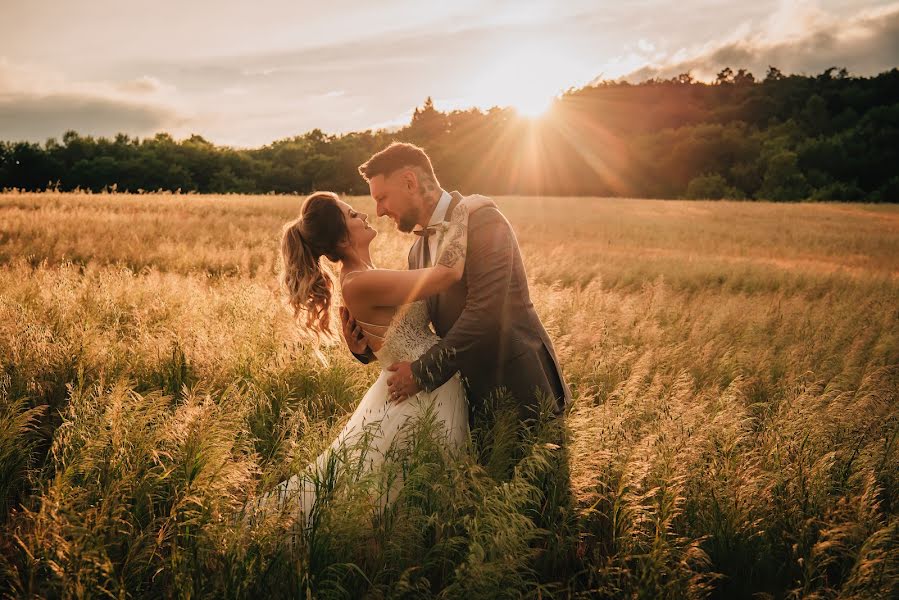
[452,254]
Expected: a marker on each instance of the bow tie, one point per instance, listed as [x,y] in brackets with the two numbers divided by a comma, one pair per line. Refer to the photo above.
[425,232]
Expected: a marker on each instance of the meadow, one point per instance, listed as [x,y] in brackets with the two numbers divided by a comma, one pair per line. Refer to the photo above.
[735,368]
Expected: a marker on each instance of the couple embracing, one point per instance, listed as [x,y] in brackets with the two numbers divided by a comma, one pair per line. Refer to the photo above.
[465,278]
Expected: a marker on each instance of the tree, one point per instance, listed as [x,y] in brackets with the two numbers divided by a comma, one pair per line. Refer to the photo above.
[683,79]
[744,78]
[783,179]
[712,186]
[428,124]
[828,74]
[725,75]
[814,116]
[826,136]
[26,166]
[773,74]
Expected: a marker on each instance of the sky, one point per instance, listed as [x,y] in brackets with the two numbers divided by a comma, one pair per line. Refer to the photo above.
[249,73]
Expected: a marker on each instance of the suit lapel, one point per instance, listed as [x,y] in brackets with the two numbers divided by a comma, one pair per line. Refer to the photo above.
[457,198]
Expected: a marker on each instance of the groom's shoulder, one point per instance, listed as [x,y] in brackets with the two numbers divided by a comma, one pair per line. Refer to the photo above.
[488,216]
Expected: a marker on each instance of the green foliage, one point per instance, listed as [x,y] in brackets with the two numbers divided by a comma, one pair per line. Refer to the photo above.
[711,187]
[611,139]
[783,179]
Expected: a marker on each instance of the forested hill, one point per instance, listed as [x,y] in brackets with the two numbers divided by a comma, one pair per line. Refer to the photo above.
[831,136]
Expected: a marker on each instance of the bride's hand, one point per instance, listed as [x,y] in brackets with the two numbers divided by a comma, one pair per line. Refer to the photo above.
[477,202]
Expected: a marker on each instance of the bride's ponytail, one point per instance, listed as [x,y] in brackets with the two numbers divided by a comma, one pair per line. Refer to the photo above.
[305,281]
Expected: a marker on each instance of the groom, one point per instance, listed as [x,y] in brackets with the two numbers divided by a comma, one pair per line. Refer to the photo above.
[487,324]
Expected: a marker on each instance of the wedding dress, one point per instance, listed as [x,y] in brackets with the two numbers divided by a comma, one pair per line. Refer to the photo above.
[377,424]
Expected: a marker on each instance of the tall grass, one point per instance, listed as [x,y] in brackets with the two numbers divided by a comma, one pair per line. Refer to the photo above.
[734,430]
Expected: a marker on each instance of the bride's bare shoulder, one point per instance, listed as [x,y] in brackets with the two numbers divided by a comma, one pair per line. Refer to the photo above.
[355,283]
[348,282]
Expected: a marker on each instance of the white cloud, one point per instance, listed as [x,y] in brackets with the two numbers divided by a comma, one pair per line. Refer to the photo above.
[145,85]
[797,38]
[792,20]
[645,45]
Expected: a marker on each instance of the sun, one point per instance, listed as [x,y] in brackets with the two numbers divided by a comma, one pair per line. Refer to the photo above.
[533,106]
[524,74]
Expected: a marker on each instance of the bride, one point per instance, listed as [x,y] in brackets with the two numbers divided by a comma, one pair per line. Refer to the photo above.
[389,307]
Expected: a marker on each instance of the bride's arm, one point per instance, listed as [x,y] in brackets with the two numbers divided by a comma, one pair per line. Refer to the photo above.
[388,287]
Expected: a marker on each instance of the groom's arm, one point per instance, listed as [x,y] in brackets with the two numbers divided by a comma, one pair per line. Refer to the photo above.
[489,274]
[365,358]
[354,338]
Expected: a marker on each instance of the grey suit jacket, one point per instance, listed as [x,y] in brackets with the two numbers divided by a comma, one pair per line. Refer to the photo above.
[487,324]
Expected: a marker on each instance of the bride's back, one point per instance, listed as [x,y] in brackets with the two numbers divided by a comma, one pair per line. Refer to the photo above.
[406,338]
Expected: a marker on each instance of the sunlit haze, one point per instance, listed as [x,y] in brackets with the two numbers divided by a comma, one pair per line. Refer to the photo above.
[246,74]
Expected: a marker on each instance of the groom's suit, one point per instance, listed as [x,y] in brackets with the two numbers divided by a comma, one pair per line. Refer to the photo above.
[487,324]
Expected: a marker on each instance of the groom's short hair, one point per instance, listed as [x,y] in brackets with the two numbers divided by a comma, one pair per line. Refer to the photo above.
[396,156]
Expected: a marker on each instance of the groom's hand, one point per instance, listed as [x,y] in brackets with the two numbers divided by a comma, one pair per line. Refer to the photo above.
[401,385]
[352,333]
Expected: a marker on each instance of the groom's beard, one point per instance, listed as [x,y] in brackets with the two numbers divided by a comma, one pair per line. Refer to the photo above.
[408,221]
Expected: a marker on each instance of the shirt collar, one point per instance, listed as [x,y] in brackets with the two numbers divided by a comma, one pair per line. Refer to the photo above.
[439,214]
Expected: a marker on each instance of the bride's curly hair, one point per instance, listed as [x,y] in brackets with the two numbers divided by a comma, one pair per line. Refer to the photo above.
[306,282]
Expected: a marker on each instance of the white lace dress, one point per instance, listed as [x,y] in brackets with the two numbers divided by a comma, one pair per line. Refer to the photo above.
[376,424]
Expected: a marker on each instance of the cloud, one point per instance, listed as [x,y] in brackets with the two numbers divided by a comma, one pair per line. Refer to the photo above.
[144,85]
[798,38]
[36,118]
[37,104]
[330,74]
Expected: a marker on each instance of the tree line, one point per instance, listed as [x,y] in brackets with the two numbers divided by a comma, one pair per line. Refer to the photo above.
[830,136]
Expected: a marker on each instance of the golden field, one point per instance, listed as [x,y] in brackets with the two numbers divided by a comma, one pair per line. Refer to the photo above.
[734,431]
